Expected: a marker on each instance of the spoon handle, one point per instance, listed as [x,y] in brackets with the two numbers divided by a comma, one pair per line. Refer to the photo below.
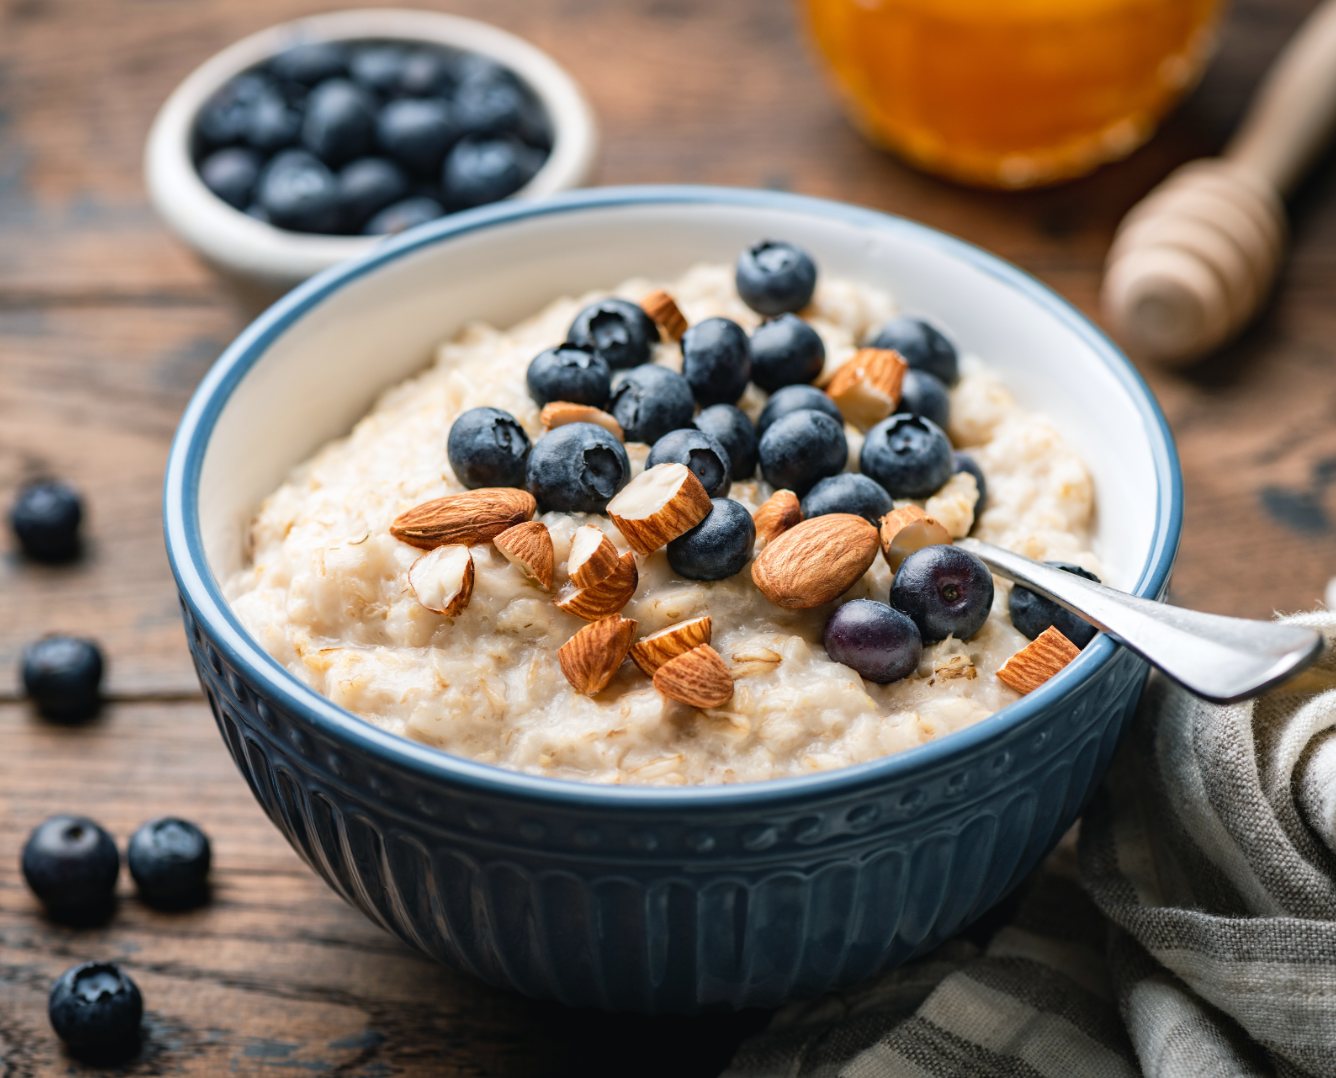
[1218,658]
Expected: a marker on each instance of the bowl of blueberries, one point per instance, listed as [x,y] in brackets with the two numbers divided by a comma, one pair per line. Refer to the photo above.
[306,144]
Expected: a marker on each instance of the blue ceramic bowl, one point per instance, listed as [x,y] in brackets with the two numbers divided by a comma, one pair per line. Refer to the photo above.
[654,899]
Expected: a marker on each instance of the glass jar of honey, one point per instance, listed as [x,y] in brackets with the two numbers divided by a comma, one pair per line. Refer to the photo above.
[1012,93]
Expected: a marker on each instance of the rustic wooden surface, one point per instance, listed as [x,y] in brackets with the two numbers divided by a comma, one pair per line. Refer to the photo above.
[106,324]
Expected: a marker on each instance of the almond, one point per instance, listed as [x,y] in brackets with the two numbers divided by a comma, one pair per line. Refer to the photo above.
[603,597]
[1038,661]
[867,388]
[442,579]
[697,678]
[776,515]
[908,529]
[528,546]
[590,658]
[592,556]
[559,413]
[658,505]
[651,652]
[815,562]
[475,516]
[661,307]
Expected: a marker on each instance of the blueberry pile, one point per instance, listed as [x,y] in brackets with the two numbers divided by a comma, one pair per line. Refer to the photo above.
[369,137]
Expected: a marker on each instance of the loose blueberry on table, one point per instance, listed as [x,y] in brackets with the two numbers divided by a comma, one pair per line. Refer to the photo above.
[62,676]
[71,865]
[45,519]
[169,860]
[96,1010]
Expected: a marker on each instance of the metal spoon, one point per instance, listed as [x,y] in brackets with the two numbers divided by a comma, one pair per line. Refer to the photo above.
[1217,658]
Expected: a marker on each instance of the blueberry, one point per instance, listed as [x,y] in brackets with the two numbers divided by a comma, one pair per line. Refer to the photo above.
[649,401]
[577,468]
[716,548]
[794,399]
[926,395]
[568,373]
[964,462]
[311,62]
[616,329]
[96,1010]
[774,277]
[62,676]
[848,493]
[1032,614]
[786,351]
[169,860]
[378,67]
[488,448]
[700,452]
[45,519]
[908,455]
[946,590]
[223,118]
[730,425]
[716,360]
[801,448]
[923,346]
[416,132]
[875,640]
[271,123]
[485,168]
[404,215]
[427,72]
[340,121]
[492,102]
[367,186]
[298,192]
[71,864]
[231,174]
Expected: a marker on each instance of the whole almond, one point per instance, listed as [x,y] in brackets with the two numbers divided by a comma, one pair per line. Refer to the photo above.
[474,516]
[442,579]
[1038,661]
[528,546]
[559,413]
[658,505]
[815,562]
[665,312]
[776,515]
[651,652]
[590,658]
[697,678]
[604,596]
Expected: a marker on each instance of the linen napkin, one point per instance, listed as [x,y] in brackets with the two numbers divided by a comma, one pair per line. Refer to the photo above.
[1192,931]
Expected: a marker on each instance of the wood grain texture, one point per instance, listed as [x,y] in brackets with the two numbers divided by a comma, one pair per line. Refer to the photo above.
[106,324]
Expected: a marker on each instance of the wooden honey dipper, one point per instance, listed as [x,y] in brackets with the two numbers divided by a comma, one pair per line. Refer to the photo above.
[1193,261]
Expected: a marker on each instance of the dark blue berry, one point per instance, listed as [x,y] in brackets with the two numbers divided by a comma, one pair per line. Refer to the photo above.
[926,395]
[946,590]
[908,455]
[62,676]
[312,62]
[875,640]
[700,452]
[378,67]
[487,168]
[231,174]
[169,860]
[428,72]
[649,401]
[568,373]
[796,399]
[774,277]
[96,1010]
[404,215]
[271,124]
[298,192]
[922,345]
[1032,614]
[45,519]
[801,448]
[964,462]
[848,493]
[71,865]
[716,360]
[785,351]
[488,448]
[367,186]
[577,468]
[223,118]
[340,121]
[416,132]
[616,329]
[716,548]
[492,102]
[730,425]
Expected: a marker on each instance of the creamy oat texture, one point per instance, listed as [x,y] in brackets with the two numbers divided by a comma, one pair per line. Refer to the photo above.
[325,591]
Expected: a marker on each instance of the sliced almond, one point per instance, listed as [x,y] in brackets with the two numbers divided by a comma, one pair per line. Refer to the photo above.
[867,388]
[592,557]
[776,515]
[603,597]
[590,658]
[908,529]
[815,562]
[442,579]
[1038,661]
[661,307]
[528,546]
[475,516]
[651,652]
[697,678]
[658,505]
[559,413]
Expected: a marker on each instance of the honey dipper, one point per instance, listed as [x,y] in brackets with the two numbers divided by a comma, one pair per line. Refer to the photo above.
[1193,261]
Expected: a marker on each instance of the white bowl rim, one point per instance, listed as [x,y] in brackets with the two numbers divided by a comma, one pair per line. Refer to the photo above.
[203,595]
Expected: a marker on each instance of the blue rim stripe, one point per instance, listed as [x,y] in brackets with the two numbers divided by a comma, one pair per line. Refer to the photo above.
[202,594]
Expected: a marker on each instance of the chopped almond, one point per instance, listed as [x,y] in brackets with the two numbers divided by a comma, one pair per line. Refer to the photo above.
[442,579]
[651,652]
[590,658]
[906,530]
[528,546]
[697,678]
[658,505]
[867,388]
[592,556]
[559,413]
[665,312]
[1038,661]
[604,596]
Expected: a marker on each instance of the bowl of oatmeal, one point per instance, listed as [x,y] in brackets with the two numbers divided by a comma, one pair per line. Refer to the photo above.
[577,687]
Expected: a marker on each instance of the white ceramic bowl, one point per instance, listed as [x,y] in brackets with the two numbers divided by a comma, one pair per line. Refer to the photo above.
[263,261]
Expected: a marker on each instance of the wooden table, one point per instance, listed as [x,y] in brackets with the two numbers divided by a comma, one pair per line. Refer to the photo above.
[106,324]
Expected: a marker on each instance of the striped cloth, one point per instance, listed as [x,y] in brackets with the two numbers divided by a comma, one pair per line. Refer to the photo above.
[1192,932]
